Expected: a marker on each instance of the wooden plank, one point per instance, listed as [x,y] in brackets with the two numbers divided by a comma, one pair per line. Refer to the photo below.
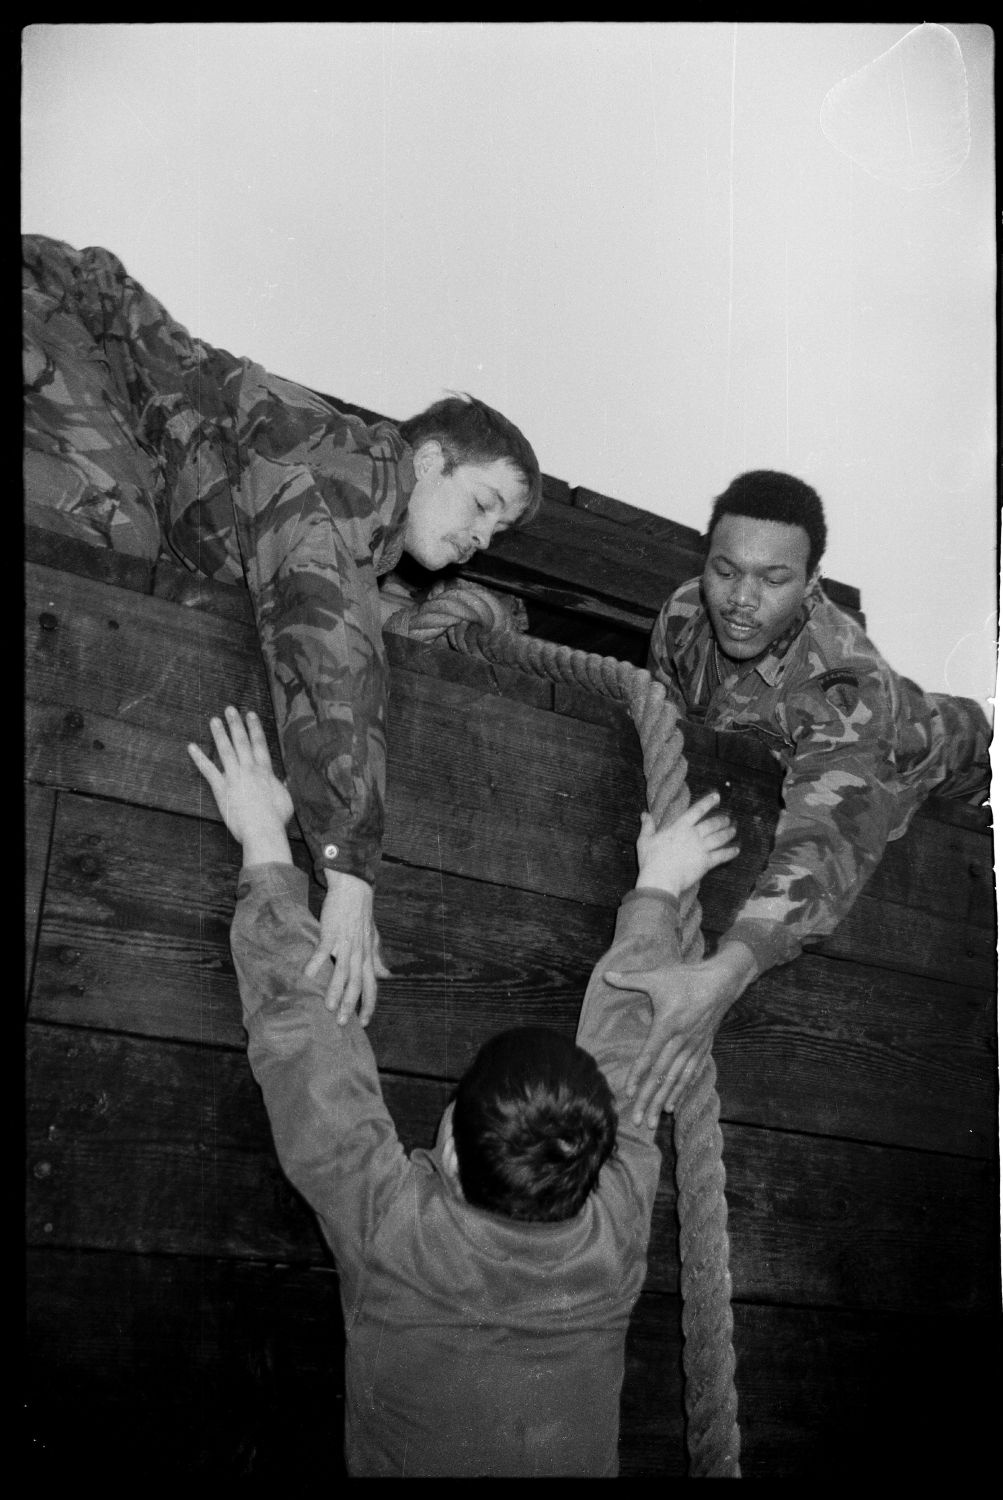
[121,682]
[583,552]
[110,711]
[54,549]
[509,794]
[128,1136]
[233,1370]
[848,1050]
[659,527]
[824,1395]
[148,1146]
[39,811]
[187,1367]
[927,909]
[135,939]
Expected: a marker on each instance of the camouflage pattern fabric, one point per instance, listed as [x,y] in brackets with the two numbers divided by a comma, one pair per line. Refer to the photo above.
[141,438]
[861,747]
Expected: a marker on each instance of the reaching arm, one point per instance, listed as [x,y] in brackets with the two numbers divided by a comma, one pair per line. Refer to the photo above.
[637,1001]
[333,1133]
[841,800]
[309,498]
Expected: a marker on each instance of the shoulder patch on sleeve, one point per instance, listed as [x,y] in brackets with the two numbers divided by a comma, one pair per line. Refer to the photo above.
[838,678]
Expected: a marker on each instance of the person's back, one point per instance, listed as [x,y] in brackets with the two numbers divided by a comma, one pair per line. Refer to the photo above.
[479,1345]
[486,1283]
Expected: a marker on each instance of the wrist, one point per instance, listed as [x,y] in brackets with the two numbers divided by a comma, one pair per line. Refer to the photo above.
[266,846]
[736,963]
[334,878]
[653,881]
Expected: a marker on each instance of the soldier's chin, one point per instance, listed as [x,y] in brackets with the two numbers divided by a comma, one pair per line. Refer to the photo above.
[740,649]
[432,555]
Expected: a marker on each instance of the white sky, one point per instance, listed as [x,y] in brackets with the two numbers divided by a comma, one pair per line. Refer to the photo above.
[635,239]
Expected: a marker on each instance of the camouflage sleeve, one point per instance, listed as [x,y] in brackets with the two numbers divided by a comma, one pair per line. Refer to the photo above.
[316,600]
[841,800]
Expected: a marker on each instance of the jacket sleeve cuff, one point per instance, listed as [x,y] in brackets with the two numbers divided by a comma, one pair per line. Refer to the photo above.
[273,880]
[334,853]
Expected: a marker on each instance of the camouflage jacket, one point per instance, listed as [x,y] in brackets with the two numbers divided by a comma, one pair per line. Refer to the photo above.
[861,747]
[241,475]
[311,512]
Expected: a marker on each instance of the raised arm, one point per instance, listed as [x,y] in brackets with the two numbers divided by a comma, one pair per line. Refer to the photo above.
[314,495]
[843,797]
[333,1134]
[638,987]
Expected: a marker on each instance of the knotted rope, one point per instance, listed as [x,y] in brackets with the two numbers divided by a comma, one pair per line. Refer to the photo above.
[482,624]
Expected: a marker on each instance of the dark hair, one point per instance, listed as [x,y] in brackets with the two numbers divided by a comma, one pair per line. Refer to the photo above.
[470,432]
[533,1122]
[768,495]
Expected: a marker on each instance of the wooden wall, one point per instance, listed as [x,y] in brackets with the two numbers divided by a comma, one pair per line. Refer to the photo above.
[183,1316]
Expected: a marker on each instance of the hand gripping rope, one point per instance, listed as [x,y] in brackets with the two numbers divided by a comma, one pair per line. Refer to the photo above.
[482,624]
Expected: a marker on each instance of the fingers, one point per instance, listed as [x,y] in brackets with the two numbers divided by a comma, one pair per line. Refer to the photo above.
[317,960]
[650,1080]
[654,1102]
[637,981]
[722,856]
[351,971]
[205,765]
[259,745]
[379,966]
[702,805]
[368,1002]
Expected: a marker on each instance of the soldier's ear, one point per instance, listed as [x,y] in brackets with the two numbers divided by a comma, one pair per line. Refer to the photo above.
[429,459]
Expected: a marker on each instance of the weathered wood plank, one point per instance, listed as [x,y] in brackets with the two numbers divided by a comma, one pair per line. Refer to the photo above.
[135,939]
[101,697]
[146,1146]
[927,909]
[209,1370]
[125,1135]
[39,811]
[118,684]
[228,1370]
[824,1395]
[660,527]
[587,553]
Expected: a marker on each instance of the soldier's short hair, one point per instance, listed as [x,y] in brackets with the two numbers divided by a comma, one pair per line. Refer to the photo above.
[471,432]
[533,1123]
[769,495]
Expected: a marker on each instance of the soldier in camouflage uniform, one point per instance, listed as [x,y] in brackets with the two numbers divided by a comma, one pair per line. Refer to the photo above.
[140,438]
[755,647]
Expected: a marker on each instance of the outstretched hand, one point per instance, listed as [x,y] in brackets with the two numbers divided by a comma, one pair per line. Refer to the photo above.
[688,1003]
[678,855]
[253,803]
[348,935]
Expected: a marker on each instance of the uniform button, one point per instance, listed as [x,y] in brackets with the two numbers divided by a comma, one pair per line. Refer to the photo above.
[330,851]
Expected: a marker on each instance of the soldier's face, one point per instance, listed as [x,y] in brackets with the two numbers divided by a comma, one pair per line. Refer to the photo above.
[452,516]
[754,581]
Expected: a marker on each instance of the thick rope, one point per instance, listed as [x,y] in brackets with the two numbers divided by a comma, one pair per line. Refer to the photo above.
[479,623]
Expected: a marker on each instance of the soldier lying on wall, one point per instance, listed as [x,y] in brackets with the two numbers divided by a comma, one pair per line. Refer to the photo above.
[754,646]
[139,437]
[487,1283]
